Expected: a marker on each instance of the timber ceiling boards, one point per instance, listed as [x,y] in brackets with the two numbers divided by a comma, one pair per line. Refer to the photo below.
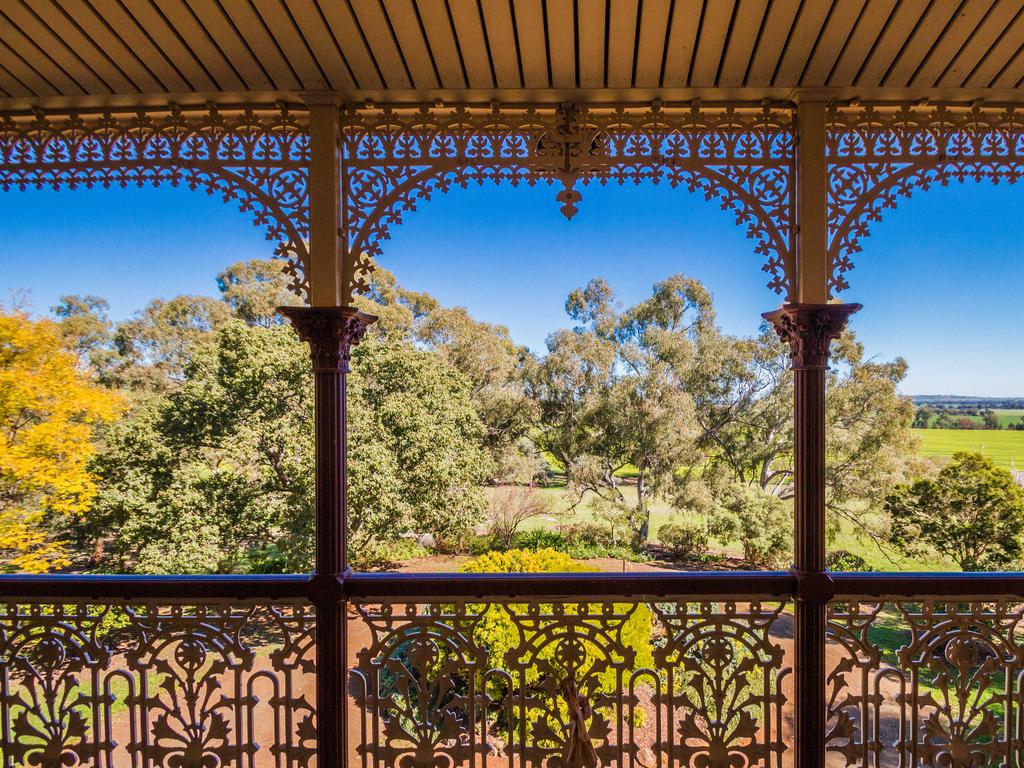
[112,52]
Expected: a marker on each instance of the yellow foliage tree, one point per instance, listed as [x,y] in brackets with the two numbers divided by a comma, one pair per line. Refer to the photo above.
[48,412]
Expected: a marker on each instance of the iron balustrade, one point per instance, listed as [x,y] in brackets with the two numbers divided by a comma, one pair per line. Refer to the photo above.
[673,669]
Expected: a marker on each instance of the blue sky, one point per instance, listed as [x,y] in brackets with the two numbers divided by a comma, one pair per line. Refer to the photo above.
[940,278]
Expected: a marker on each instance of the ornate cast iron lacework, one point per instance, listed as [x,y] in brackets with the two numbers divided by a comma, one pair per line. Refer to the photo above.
[394,158]
[932,683]
[146,685]
[879,154]
[259,159]
[571,684]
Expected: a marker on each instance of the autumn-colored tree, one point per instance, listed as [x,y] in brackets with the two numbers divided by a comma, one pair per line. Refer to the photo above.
[48,412]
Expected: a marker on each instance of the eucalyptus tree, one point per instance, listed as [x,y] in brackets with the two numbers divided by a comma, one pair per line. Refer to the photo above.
[494,365]
[254,289]
[613,391]
[659,390]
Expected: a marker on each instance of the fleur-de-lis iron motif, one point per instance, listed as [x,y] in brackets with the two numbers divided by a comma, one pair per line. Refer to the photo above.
[724,688]
[420,686]
[50,665]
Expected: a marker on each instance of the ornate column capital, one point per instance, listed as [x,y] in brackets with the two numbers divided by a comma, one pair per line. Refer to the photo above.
[808,329]
[331,332]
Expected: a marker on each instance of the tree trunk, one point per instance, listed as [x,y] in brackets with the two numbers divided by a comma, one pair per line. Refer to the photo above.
[98,550]
[645,522]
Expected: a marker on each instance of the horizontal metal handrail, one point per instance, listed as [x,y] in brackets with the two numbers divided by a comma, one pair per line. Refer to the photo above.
[369,585]
[676,583]
[131,586]
[366,585]
[905,584]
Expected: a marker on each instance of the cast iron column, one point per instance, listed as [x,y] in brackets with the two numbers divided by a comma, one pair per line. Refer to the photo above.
[808,329]
[331,332]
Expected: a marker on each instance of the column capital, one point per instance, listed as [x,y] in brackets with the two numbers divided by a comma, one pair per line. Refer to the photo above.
[331,332]
[808,329]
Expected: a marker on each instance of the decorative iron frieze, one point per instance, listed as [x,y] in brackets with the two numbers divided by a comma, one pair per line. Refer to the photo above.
[395,158]
[156,685]
[257,158]
[930,682]
[570,684]
[879,154]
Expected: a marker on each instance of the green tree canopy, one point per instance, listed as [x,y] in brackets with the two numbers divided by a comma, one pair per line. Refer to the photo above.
[972,512]
[613,391]
[156,344]
[254,289]
[485,354]
[201,477]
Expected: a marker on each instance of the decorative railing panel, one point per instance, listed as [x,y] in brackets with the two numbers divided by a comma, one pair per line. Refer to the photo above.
[147,685]
[926,682]
[563,683]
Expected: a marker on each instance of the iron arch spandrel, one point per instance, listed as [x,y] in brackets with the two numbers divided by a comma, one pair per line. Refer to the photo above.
[258,159]
[880,154]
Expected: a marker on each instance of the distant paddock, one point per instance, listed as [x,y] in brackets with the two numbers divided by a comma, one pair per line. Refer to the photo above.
[1005,447]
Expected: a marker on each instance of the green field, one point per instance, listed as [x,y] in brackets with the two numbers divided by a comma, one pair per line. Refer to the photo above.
[1006,416]
[1004,447]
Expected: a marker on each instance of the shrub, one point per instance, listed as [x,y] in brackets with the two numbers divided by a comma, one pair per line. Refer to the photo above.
[509,507]
[761,522]
[583,541]
[539,538]
[686,540]
[501,631]
[590,534]
[844,560]
[972,512]
[525,561]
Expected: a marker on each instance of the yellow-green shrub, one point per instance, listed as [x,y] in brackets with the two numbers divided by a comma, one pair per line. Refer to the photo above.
[525,561]
[499,633]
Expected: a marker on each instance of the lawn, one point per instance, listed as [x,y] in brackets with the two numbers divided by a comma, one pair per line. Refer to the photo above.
[1004,447]
[849,537]
[560,500]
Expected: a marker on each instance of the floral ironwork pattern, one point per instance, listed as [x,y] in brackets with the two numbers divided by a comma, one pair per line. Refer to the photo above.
[258,159]
[879,154]
[949,694]
[724,683]
[393,158]
[147,685]
[570,684]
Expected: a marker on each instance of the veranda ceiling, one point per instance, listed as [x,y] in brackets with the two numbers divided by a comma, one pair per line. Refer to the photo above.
[72,53]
